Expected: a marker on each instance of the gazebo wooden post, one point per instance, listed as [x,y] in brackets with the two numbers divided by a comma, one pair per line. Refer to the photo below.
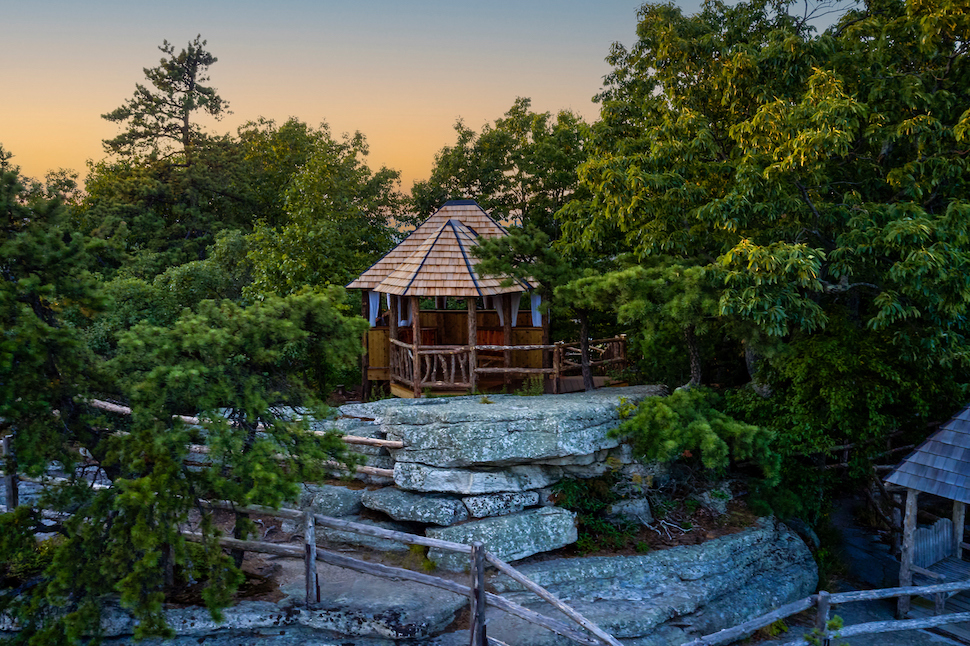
[959,516]
[906,557]
[393,317]
[472,303]
[365,358]
[506,305]
[416,331]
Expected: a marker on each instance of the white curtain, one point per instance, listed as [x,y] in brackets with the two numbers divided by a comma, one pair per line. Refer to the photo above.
[516,298]
[536,316]
[405,304]
[497,301]
[374,302]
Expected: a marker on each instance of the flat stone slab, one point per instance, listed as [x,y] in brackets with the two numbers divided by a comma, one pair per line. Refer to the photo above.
[670,596]
[422,508]
[463,432]
[510,538]
[421,477]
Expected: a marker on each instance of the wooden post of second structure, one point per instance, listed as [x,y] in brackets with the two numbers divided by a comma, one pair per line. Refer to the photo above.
[10,482]
[472,341]
[906,555]
[959,518]
[416,331]
[506,305]
[822,617]
[477,627]
[310,557]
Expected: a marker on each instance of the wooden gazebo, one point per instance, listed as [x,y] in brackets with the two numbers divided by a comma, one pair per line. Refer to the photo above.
[940,466]
[438,349]
[498,337]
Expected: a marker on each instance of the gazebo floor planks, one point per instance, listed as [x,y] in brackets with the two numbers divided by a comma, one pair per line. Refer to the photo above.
[953,569]
[923,608]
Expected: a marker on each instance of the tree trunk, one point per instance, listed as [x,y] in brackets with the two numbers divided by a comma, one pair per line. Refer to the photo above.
[694,352]
[584,351]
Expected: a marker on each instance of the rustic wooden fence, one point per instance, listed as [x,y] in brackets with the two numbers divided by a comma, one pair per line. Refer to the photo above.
[823,602]
[457,366]
[479,597]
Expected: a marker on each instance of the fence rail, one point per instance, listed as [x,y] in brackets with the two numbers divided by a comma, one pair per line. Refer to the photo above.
[823,601]
[479,598]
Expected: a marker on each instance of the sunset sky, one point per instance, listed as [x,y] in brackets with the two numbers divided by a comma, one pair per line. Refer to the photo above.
[400,72]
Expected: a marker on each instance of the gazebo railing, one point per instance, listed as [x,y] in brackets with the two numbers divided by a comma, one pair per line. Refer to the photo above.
[449,366]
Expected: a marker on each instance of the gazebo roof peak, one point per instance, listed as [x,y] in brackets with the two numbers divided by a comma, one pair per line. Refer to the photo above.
[468,212]
[443,265]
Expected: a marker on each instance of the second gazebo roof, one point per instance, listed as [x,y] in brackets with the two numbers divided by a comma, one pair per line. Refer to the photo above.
[443,265]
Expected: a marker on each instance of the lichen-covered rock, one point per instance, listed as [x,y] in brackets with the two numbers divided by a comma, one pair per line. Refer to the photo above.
[433,509]
[500,504]
[331,500]
[421,477]
[510,537]
[674,595]
[463,432]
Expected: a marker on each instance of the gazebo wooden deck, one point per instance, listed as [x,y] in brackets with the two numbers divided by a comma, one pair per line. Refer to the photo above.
[490,343]
[938,467]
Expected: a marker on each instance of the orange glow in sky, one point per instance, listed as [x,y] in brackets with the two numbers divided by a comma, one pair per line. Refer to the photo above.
[400,72]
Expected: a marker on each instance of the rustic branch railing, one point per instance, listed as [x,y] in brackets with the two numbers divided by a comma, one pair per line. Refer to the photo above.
[479,598]
[448,365]
[349,439]
[823,602]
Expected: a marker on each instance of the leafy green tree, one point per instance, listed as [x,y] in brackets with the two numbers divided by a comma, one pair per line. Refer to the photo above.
[523,167]
[44,285]
[824,197]
[159,120]
[168,186]
[246,372]
[337,220]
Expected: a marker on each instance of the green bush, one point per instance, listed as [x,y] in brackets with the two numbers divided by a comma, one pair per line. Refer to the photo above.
[686,423]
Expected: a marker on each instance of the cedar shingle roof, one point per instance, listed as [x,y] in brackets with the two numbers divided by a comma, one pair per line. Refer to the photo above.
[467,212]
[940,465]
[443,265]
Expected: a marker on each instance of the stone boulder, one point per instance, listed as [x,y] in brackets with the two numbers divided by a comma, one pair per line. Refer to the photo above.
[463,432]
[669,596]
[500,504]
[432,509]
[510,538]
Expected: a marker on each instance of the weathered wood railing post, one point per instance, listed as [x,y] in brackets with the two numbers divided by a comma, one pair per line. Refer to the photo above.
[822,617]
[472,304]
[557,368]
[10,482]
[310,557]
[477,627]
[906,555]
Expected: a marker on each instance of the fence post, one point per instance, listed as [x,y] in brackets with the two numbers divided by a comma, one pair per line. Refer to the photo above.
[310,557]
[556,367]
[10,483]
[477,624]
[822,617]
